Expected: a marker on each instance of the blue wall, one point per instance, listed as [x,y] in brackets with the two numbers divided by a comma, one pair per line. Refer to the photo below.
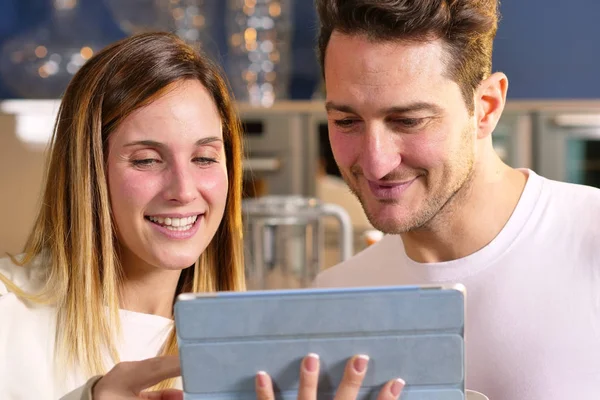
[548,48]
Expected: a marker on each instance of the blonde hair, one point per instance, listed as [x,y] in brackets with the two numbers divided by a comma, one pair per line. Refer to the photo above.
[74,227]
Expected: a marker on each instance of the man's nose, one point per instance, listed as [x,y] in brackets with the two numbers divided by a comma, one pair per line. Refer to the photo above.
[380,155]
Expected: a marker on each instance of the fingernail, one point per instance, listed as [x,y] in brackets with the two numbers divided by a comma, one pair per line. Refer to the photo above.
[311,362]
[261,379]
[360,363]
[397,387]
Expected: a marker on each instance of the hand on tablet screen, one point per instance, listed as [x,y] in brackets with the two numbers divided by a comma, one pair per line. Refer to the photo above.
[355,371]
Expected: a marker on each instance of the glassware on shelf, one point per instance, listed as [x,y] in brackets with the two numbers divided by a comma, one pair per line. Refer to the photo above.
[191,20]
[39,63]
[259,34]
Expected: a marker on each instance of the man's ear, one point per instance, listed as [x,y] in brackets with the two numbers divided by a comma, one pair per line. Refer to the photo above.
[490,98]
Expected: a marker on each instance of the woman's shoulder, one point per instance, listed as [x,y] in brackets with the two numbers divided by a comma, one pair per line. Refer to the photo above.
[30,277]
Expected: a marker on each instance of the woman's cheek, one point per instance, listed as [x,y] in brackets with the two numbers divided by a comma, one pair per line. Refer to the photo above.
[213,182]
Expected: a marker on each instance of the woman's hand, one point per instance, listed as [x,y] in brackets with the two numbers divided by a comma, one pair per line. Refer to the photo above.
[127,380]
[356,368]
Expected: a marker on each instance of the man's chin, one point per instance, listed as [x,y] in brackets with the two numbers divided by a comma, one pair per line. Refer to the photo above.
[391,220]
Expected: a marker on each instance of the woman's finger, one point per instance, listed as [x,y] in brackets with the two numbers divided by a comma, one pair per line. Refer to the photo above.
[356,369]
[391,390]
[309,377]
[263,386]
[140,375]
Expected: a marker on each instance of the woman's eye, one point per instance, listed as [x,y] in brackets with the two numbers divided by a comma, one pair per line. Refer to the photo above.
[205,160]
[146,162]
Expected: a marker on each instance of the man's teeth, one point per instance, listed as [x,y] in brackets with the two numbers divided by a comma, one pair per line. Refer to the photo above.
[178,224]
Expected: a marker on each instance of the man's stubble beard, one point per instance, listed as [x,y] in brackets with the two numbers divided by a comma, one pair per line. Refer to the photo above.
[438,208]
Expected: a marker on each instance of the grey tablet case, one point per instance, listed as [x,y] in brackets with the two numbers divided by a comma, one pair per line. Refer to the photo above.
[416,333]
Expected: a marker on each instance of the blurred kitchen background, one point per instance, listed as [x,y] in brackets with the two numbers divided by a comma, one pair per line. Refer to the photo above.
[300,217]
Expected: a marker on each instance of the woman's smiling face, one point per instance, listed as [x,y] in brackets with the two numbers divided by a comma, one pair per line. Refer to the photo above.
[167,179]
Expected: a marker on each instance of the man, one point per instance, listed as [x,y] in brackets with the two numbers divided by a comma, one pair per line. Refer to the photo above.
[412,103]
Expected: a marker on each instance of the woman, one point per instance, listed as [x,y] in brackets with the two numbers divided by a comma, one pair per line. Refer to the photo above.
[144,170]
[142,202]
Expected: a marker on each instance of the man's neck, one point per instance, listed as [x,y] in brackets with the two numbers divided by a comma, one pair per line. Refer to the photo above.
[472,219]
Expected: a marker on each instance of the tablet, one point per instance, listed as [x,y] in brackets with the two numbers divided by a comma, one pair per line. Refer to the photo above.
[412,332]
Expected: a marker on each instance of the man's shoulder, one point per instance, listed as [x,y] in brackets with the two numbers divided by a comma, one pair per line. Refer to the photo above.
[573,205]
[569,215]
[570,194]
[359,270]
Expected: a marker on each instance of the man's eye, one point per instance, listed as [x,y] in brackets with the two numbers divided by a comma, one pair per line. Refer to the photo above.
[410,122]
[344,123]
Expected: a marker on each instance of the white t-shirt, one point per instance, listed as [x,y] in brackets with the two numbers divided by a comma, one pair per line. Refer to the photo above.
[27,340]
[533,294]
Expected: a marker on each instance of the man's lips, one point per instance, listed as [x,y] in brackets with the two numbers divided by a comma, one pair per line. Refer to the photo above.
[389,190]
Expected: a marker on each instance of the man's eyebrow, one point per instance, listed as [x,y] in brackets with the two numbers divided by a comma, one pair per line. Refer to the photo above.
[412,107]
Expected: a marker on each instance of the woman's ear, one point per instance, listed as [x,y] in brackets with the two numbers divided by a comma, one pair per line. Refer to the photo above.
[490,98]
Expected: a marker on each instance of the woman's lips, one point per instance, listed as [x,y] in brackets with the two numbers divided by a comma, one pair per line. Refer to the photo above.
[181,232]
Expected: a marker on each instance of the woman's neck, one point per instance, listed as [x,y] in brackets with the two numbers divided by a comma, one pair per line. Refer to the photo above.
[150,291]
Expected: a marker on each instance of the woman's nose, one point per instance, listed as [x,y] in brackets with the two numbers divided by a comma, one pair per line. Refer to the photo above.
[181,185]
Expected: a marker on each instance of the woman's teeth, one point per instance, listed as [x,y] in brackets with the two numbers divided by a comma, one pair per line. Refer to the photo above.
[175,224]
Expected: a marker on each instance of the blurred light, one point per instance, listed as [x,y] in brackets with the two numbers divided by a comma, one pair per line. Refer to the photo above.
[254,57]
[86,52]
[250,35]
[274,57]
[267,99]
[77,59]
[275,9]
[41,51]
[266,46]
[257,37]
[51,67]
[72,68]
[198,20]
[192,10]
[267,66]
[178,13]
[250,76]
[267,23]
[42,72]
[270,76]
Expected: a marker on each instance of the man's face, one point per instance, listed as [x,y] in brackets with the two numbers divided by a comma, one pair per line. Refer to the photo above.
[399,129]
